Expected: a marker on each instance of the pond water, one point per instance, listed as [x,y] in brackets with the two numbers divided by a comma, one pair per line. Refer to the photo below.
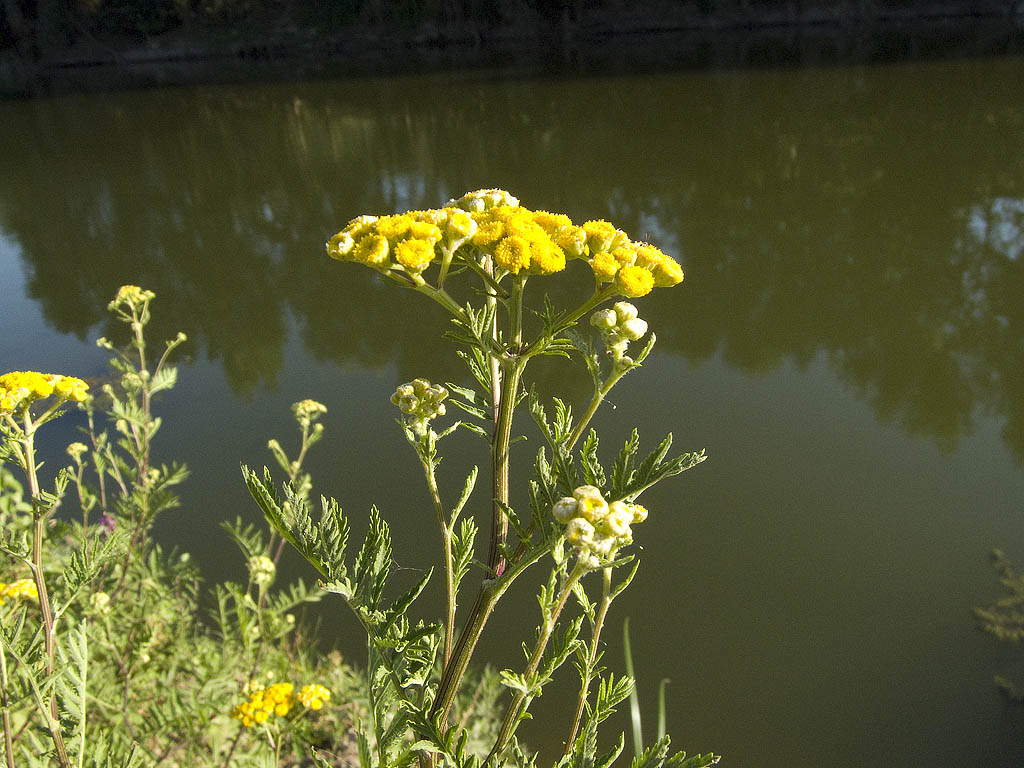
[848,346]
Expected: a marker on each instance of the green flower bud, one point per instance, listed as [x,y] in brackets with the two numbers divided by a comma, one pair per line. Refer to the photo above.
[261,569]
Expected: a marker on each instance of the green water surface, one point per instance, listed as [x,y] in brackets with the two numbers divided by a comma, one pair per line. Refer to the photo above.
[848,346]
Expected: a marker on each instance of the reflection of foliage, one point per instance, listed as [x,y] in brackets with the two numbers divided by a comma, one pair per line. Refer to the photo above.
[818,213]
[1004,619]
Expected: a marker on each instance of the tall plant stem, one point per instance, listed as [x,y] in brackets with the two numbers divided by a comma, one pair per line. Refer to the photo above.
[512,714]
[4,706]
[513,366]
[490,592]
[38,532]
[449,571]
[595,403]
[581,700]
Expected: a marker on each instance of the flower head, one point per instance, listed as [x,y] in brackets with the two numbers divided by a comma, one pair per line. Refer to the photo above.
[307,411]
[518,240]
[596,528]
[261,569]
[22,589]
[130,297]
[421,401]
[313,696]
[264,703]
[19,389]
[76,449]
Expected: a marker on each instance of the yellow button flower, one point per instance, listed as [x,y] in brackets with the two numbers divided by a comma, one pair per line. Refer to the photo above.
[371,250]
[19,389]
[634,281]
[415,255]
[513,254]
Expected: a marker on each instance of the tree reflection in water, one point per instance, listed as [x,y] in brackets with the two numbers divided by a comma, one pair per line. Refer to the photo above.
[874,216]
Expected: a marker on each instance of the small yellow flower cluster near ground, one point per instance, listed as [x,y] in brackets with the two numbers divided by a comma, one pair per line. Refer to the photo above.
[277,700]
[593,526]
[313,696]
[519,240]
[19,389]
[22,589]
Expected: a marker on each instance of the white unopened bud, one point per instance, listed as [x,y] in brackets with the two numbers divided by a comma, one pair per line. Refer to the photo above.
[604,319]
[603,545]
[564,509]
[634,329]
[579,532]
[624,310]
[618,520]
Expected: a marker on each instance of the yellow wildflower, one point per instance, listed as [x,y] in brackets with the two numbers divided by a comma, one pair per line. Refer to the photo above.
[371,250]
[414,254]
[423,230]
[513,254]
[484,199]
[665,269]
[360,226]
[546,258]
[515,237]
[634,281]
[460,225]
[488,231]
[277,699]
[76,449]
[313,696]
[21,388]
[23,589]
[625,256]
[394,227]
[308,411]
[551,222]
[599,234]
[604,266]
[572,240]
[131,296]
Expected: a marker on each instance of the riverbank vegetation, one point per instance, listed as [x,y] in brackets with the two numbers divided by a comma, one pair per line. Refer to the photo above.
[91,31]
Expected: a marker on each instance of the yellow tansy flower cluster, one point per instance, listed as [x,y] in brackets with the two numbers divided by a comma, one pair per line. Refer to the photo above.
[314,696]
[20,389]
[277,700]
[130,296]
[22,589]
[519,240]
